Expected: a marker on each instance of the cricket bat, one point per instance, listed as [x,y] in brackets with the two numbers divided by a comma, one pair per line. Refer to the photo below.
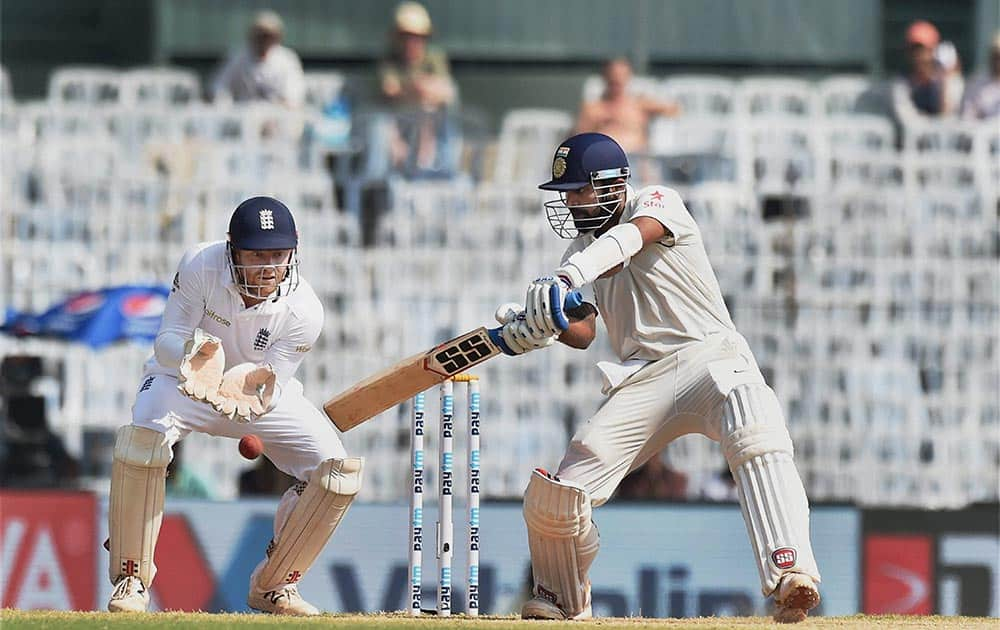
[412,375]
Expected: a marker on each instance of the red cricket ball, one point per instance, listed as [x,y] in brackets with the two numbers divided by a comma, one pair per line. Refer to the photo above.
[250,446]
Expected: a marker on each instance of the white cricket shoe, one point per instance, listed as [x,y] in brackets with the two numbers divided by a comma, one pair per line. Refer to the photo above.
[130,595]
[795,596]
[283,601]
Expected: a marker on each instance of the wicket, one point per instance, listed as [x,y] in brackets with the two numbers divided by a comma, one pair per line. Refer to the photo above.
[445,531]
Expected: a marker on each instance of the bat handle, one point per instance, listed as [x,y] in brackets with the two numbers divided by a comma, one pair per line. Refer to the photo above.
[573,300]
[497,339]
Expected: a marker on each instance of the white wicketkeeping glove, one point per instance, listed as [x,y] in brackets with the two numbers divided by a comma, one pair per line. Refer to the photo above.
[538,307]
[245,392]
[519,336]
[200,371]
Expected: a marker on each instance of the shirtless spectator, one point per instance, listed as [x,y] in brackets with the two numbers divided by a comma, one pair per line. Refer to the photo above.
[619,114]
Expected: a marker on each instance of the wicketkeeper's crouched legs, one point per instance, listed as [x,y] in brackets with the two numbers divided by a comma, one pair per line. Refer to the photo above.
[135,512]
[563,542]
[759,451]
[307,516]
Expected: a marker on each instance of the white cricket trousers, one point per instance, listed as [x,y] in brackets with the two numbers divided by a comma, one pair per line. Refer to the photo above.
[296,435]
[679,394]
[713,387]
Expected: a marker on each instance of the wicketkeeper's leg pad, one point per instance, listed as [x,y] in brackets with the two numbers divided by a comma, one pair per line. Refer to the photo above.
[759,451]
[138,483]
[563,540]
[302,532]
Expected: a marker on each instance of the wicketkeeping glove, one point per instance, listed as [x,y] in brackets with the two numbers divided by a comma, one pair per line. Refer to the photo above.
[200,371]
[245,392]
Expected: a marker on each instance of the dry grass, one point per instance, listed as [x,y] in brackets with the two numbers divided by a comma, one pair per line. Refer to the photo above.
[11,619]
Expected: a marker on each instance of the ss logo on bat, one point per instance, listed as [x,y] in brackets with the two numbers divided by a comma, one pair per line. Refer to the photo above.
[466,352]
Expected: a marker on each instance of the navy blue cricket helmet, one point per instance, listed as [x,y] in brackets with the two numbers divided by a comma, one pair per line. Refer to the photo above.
[586,158]
[263,223]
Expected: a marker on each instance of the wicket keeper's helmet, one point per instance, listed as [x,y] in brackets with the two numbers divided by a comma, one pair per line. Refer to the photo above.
[263,223]
[586,158]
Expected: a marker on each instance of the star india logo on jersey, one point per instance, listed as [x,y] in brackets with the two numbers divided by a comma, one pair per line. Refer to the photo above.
[266,219]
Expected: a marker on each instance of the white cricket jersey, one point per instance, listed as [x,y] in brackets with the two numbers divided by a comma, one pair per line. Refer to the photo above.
[279,332]
[667,295]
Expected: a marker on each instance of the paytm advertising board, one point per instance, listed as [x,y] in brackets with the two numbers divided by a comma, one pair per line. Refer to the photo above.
[655,560]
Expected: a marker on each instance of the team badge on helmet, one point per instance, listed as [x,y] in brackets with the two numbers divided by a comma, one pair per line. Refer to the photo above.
[558,168]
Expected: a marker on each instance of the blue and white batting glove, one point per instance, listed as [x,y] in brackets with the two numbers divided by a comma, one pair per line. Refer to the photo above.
[517,333]
[543,305]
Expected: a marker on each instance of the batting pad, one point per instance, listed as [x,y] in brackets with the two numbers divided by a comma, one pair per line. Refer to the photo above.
[775,509]
[329,492]
[562,539]
[138,482]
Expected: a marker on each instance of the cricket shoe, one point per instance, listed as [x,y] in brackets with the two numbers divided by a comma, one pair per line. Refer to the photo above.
[283,601]
[541,608]
[795,596]
[130,595]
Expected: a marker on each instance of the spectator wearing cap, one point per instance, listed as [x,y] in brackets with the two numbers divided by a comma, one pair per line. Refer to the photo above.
[414,73]
[982,98]
[415,80]
[934,83]
[263,70]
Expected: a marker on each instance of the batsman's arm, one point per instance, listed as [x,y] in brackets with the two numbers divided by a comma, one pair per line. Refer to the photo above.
[582,327]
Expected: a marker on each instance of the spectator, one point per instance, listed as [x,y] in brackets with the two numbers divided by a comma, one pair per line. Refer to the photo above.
[416,81]
[934,83]
[982,98]
[619,114]
[264,70]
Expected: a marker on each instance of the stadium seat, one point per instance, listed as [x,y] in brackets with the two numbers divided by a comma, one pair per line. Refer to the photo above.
[701,95]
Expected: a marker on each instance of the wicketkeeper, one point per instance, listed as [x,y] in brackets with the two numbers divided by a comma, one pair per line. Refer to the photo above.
[238,322]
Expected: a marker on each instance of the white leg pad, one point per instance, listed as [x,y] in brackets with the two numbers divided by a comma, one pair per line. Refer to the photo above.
[759,451]
[138,483]
[303,531]
[562,539]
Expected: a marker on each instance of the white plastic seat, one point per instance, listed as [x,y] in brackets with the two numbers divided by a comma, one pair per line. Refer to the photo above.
[159,87]
[839,95]
[85,85]
[785,155]
[528,138]
[701,95]
[776,96]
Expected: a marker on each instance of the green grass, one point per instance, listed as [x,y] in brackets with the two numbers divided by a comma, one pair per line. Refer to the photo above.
[10,619]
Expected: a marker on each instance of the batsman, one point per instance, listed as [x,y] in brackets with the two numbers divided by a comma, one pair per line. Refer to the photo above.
[682,368]
[237,324]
